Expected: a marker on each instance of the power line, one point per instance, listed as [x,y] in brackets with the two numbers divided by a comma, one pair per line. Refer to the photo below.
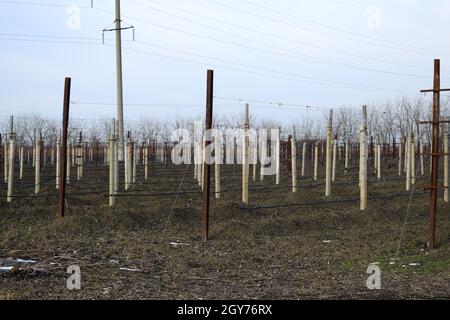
[332,27]
[40,4]
[276,104]
[324,82]
[424,50]
[284,38]
[258,104]
[389,14]
[316,81]
[298,54]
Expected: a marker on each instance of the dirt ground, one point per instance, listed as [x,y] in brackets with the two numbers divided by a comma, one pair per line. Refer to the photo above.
[147,246]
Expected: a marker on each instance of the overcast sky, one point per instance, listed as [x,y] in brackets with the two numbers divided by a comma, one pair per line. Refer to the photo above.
[326,53]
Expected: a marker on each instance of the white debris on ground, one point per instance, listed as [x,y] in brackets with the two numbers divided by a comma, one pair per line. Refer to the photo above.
[25,261]
[179,244]
[130,269]
[326,241]
[6,268]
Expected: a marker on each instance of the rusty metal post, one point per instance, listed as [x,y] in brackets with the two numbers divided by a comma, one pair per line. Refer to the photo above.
[206,167]
[63,149]
[434,154]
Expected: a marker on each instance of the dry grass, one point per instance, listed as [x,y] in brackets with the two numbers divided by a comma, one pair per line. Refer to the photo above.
[259,254]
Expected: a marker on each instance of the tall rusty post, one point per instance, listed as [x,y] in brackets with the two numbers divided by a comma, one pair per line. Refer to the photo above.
[207,167]
[434,152]
[63,149]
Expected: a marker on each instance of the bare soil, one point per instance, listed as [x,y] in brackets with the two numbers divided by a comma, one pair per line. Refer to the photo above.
[148,246]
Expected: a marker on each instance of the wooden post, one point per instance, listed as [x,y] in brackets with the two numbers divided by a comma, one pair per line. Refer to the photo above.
[363,160]
[63,155]
[206,167]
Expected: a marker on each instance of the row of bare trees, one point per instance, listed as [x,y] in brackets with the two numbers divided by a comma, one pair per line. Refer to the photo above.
[387,121]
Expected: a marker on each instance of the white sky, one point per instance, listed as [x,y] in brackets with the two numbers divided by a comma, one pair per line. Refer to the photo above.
[414,32]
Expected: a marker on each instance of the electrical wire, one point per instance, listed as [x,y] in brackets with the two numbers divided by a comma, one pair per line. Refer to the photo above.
[276,36]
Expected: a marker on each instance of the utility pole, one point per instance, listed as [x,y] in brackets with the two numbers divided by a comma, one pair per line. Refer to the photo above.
[118,23]
[434,151]
[118,30]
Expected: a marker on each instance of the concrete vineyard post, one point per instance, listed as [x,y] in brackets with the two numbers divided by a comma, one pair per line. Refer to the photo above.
[328,159]
[245,156]
[379,161]
[422,171]
[400,152]
[146,146]
[135,160]
[10,190]
[6,160]
[408,162]
[346,157]
[58,160]
[111,170]
[335,146]
[303,158]
[413,161]
[255,160]
[37,167]
[21,159]
[407,153]
[277,155]
[316,159]
[69,156]
[446,193]
[294,164]
[217,161]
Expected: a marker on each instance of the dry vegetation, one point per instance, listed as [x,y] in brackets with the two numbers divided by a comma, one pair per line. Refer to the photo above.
[295,252]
